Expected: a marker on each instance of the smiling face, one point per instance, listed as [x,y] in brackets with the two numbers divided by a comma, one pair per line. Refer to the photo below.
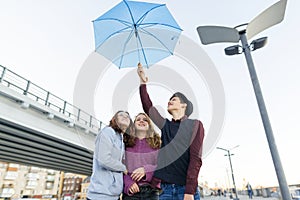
[141,123]
[142,129]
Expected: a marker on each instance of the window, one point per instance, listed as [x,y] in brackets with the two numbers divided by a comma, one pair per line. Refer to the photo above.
[31,184]
[10,175]
[7,192]
[13,165]
[49,185]
[34,169]
[33,176]
[50,178]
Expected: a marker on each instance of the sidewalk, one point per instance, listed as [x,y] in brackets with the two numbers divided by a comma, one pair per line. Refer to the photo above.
[241,197]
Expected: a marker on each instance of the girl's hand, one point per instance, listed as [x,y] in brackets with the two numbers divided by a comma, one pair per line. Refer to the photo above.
[138,174]
[134,188]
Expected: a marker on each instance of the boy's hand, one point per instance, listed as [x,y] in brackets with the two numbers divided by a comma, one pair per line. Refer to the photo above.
[141,73]
[188,197]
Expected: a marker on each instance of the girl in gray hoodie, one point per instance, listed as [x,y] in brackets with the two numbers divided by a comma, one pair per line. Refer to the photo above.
[108,168]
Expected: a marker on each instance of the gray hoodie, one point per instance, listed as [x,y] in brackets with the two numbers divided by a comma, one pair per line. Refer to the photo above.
[107,177]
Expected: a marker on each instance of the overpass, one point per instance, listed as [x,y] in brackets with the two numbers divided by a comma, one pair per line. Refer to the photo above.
[40,129]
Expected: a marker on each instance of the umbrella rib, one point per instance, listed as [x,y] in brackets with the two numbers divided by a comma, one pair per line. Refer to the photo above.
[157,40]
[154,24]
[146,13]
[139,22]
[119,31]
[143,50]
[121,60]
[129,11]
[115,19]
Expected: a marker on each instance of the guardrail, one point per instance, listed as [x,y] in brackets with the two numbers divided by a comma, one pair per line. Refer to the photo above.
[38,94]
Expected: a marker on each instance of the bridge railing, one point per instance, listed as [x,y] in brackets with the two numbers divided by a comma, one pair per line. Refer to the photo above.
[38,94]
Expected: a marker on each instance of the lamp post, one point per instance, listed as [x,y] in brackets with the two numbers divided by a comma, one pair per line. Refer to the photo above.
[228,180]
[216,34]
[229,157]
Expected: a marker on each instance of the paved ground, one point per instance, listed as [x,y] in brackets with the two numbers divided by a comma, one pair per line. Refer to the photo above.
[241,197]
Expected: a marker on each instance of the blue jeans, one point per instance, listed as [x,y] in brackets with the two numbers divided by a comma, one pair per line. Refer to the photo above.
[175,192]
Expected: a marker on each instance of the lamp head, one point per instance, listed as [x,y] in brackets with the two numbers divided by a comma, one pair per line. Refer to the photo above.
[258,43]
[233,50]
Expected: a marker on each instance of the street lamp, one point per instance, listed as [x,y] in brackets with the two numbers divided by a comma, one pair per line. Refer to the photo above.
[216,34]
[229,157]
[237,49]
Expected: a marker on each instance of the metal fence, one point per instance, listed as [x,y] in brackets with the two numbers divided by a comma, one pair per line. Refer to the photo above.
[38,94]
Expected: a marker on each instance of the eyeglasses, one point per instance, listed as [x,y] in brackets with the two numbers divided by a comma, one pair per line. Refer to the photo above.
[123,114]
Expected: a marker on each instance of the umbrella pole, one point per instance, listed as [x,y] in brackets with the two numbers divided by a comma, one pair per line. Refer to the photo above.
[138,50]
[137,43]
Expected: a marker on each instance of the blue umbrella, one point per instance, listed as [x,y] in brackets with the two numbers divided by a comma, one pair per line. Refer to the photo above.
[133,32]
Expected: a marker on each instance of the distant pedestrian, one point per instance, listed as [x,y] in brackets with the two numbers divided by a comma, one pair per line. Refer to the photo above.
[250,191]
[219,192]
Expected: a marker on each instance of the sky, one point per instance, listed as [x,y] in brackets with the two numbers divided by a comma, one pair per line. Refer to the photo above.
[48,42]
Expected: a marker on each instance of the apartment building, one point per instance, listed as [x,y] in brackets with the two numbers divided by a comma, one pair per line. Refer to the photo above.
[72,186]
[19,181]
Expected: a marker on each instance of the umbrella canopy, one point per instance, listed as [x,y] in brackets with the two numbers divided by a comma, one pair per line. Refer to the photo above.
[133,32]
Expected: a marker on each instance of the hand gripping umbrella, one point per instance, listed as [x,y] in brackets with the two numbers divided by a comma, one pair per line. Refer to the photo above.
[136,32]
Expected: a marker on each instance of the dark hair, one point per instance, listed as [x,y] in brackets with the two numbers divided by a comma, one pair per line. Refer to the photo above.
[183,99]
[113,124]
[152,138]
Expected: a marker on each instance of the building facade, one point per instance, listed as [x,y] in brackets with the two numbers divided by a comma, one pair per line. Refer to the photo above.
[19,181]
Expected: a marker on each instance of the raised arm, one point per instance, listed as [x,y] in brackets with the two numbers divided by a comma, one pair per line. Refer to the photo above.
[146,101]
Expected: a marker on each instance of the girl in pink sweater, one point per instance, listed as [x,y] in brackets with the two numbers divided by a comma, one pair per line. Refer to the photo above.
[141,160]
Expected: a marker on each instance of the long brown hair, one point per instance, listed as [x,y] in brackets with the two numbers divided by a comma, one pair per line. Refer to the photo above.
[114,125]
[152,138]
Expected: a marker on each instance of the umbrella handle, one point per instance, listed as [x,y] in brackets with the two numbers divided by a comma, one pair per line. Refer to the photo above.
[141,74]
